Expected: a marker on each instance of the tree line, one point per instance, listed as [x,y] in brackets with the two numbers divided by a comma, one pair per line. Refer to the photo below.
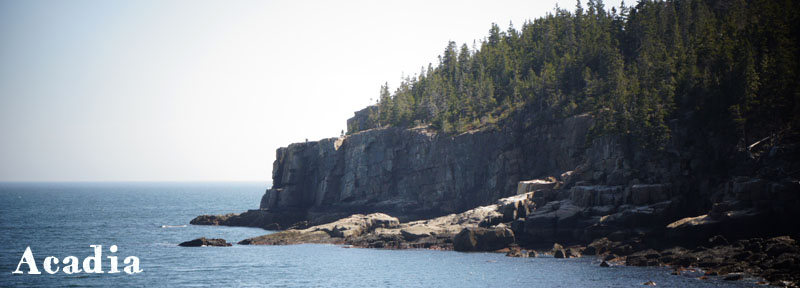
[730,64]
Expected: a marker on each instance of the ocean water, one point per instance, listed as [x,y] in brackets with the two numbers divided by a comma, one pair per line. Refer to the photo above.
[63,219]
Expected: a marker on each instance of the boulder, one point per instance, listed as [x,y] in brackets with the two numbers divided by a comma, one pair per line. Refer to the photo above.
[558,251]
[203,241]
[516,252]
[482,239]
[574,252]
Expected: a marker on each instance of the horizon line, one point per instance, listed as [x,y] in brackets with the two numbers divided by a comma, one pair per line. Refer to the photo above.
[134,181]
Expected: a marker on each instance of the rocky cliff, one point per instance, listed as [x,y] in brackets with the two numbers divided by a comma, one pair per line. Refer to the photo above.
[535,182]
[590,186]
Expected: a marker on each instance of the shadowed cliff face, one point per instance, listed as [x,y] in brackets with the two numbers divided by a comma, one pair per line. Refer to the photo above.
[417,173]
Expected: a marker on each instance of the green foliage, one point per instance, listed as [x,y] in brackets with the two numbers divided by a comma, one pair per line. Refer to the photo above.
[733,64]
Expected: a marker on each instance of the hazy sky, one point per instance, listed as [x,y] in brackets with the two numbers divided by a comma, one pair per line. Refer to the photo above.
[206,90]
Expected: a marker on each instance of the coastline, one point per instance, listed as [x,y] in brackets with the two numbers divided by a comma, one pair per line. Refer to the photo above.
[481,229]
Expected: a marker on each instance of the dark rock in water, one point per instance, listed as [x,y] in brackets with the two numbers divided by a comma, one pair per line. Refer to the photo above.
[604,264]
[269,220]
[483,239]
[574,252]
[212,219]
[516,252]
[649,283]
[203,241]
[559,251]
[557,247]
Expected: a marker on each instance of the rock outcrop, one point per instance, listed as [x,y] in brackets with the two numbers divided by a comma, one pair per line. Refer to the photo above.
[203,241]
[269,220]
[478,229]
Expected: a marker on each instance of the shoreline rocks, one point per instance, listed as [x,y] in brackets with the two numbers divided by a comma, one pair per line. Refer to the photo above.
[776,259]
[617,232]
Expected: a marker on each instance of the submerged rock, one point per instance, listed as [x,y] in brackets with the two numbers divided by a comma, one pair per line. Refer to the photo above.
[203,241]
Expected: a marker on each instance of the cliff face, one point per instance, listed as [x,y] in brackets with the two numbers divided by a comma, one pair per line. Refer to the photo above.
[416,173]
[578,187]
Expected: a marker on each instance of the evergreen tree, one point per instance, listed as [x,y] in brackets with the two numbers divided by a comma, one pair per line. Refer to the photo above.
[732,65]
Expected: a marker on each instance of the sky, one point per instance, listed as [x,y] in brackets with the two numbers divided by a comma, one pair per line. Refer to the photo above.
[207,90]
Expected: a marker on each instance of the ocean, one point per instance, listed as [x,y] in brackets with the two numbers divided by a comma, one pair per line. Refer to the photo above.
[148,220]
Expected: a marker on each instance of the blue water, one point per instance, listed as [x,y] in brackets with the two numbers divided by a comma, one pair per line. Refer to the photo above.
[62,219]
